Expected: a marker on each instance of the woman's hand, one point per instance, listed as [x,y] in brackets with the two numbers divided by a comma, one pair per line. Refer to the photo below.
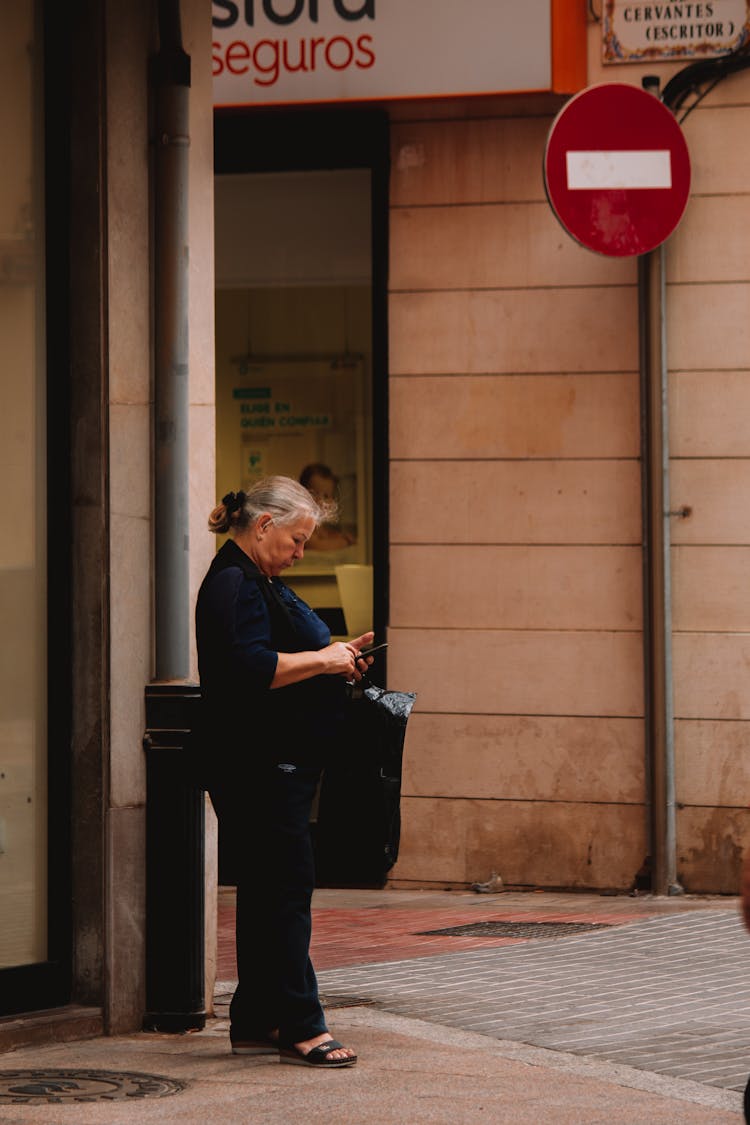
[338,660]
[361,663]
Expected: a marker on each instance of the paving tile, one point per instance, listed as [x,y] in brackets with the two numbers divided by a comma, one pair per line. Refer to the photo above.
[669,995]
[342,937]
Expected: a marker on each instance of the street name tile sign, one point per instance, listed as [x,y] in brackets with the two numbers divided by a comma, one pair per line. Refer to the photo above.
[617,170]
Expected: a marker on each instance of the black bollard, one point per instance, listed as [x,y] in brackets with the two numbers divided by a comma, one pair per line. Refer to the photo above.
[175,900]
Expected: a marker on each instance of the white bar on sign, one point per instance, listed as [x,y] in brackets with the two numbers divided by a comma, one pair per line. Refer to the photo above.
[630,168]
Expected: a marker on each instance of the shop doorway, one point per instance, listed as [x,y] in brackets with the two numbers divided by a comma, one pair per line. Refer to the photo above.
[301,202]
[294,364]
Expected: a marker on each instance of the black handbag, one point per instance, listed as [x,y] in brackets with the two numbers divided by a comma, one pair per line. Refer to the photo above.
[358,826]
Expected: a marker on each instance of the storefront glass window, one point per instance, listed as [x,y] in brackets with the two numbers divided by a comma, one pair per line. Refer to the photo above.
[23,549]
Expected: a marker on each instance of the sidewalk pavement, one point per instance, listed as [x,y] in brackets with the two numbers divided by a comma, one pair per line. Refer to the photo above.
[401,998]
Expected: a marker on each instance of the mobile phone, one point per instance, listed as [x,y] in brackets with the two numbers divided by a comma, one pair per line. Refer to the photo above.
[371,650]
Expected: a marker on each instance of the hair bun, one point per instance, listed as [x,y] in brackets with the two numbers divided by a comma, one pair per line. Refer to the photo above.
[233,501]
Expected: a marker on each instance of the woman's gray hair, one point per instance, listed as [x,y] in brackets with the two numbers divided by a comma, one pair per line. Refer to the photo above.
[285,499]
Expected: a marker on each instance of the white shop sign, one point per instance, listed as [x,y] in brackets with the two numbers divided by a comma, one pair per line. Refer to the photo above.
[268,52]
[644,32]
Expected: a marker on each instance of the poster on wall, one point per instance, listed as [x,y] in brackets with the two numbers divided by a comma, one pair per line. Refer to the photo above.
[637,33]
[304,419]
[272,52]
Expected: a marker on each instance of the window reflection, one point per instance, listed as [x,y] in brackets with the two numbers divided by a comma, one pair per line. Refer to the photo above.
[23,816]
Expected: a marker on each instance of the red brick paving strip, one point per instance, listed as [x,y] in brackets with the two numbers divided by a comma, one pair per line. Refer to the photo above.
[357,937]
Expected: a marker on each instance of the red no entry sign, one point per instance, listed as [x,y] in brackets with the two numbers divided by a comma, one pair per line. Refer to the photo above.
[617,169]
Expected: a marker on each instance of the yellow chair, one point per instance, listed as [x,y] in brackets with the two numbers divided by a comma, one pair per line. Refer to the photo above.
[355,590]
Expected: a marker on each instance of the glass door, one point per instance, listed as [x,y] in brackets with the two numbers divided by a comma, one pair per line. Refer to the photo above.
[23,548]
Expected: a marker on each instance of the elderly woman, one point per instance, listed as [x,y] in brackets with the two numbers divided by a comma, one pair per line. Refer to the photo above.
[274,691]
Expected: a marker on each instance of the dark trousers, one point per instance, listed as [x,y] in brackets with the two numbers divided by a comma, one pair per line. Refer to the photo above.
[265,824]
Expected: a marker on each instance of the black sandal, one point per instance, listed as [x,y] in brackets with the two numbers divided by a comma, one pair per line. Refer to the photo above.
[316,1056]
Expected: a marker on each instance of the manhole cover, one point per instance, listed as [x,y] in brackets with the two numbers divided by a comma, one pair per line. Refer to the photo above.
[39,1087]
[518,929]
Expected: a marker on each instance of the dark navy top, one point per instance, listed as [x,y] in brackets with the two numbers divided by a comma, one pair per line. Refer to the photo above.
[240,629]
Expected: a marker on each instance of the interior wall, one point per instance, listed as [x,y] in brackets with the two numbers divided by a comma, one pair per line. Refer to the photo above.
[294,321]
[293,228]
[294,311]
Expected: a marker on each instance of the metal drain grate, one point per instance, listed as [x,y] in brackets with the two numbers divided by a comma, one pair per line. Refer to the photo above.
[517,929]
[50,1085]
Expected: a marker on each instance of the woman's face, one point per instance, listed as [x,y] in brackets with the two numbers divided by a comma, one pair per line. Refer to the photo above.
[279,546]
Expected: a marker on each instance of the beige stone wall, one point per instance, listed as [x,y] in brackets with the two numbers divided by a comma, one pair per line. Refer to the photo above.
[709,386]
[515,561]
[708,341]
[516,527]
[129,43]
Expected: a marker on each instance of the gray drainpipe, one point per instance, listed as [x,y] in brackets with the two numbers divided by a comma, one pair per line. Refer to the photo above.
[657,593]
[172,140]
[657,573]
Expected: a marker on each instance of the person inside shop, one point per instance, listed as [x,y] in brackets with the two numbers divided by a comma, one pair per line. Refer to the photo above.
[323,483]
[274,692]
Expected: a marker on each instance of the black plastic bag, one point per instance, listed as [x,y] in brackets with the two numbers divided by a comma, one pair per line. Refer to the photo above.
[358,827]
